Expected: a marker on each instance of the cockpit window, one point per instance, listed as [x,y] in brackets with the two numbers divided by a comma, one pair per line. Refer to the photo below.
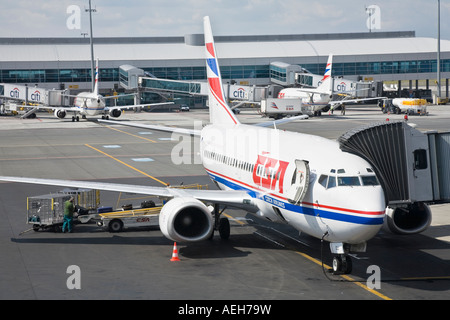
[348,181]
[370,181]
[323,180]
[331,182]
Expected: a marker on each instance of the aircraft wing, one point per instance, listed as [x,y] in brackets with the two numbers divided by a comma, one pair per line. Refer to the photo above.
[154,127]
[281,121]
[338,102]
[230,197]
[138,105]
[193,131]
[47,107]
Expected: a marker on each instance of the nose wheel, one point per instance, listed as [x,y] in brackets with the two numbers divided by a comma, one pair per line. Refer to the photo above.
[342,264]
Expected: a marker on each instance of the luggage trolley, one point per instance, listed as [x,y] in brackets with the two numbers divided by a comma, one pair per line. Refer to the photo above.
[46,211]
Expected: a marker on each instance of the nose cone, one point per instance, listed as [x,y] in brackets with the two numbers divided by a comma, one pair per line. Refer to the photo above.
[371,216]
[363,211]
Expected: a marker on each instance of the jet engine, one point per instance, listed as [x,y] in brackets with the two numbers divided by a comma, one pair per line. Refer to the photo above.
[60,114]
[410,220]
[186,219]
[115,113]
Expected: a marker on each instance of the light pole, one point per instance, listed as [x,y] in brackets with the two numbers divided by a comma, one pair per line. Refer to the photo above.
[92,44]
[439,53]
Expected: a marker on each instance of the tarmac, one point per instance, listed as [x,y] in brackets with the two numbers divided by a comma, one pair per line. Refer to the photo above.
[260,261]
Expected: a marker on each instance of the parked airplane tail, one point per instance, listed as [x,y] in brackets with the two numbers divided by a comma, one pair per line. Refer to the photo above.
[219,111]
[326,82]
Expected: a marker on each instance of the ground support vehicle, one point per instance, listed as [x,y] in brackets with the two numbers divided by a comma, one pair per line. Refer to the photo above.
[116,221]
[410,106]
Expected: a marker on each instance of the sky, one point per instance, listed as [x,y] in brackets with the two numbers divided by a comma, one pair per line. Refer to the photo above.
[139,18]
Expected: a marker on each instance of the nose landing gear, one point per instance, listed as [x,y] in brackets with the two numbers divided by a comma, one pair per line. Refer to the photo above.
[342,264]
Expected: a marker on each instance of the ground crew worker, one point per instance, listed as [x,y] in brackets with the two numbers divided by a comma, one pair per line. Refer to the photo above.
[69,208]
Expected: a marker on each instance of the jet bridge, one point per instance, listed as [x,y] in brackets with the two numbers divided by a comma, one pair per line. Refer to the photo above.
[412,166]
[27,96]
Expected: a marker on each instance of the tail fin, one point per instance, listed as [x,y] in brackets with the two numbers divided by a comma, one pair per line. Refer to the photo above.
[326,84]
[96,79]
[219,111]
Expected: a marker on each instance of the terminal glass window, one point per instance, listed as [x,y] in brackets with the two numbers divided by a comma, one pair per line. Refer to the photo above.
[278,73]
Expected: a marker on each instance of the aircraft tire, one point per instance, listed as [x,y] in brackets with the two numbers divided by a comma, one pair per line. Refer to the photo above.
[224,228]
[342,265]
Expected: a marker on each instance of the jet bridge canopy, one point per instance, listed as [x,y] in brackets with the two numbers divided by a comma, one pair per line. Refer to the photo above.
[407,161]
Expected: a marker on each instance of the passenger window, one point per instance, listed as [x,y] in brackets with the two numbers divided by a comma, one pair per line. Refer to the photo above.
[331,181]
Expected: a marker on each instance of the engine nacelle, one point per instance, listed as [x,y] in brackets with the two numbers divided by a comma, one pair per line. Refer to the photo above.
[411,220]
[186,219]
[60,114]
[115,113]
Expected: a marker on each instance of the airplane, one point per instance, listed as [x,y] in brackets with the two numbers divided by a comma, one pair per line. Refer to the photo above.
[317,98]
[320,97]
[302,180]
[91,104]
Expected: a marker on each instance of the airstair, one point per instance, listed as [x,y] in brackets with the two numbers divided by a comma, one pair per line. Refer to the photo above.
[412,165]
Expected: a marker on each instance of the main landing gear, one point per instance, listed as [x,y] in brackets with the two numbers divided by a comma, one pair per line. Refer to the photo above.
[222,224]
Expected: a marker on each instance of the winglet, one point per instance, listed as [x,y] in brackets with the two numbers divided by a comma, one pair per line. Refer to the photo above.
[219,111]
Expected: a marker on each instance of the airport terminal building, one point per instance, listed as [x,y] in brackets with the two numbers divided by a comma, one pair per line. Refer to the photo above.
[64,63]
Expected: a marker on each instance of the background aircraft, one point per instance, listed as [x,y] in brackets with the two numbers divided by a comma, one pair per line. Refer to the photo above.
[322,96]
[91,104]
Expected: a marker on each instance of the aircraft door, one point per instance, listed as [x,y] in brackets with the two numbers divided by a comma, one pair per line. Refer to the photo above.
[300,182]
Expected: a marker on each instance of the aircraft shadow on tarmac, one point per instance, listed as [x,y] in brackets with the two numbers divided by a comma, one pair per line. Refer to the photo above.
[417,261]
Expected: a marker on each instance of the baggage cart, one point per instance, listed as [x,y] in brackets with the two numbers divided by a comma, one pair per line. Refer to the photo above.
[88,199]
[46,211]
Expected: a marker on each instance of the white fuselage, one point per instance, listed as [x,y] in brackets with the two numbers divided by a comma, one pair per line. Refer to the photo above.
[262,161]
[90,104]
[317,101]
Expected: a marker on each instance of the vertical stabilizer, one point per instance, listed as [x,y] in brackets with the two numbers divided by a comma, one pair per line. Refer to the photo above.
[327,80]
[96,79]
[219,111]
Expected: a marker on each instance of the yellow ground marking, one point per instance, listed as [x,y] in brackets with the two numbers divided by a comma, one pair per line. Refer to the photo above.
[126,164]
[133,135]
